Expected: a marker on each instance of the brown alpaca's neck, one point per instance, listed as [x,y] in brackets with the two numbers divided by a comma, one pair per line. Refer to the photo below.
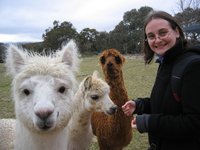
[118,91]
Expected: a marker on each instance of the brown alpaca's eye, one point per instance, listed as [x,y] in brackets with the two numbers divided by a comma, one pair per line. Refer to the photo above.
[61,89]
[94,97]
[26,92]
[102,60]
[118,60]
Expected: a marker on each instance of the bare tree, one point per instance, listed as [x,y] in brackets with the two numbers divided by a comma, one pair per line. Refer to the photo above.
[189,19]
[184,4]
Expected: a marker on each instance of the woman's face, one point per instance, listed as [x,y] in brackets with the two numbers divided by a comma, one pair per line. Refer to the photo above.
[160,35]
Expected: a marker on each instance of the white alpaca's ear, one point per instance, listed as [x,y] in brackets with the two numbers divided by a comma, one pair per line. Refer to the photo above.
[15,59]
[95,74]
[87,83]
[70,55]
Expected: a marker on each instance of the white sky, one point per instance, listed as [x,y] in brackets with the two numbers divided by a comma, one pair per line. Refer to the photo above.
[26,20]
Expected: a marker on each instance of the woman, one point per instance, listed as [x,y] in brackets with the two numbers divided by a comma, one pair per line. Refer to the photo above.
[171,125]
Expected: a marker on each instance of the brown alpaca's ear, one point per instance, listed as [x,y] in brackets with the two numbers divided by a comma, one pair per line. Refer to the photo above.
[123,59]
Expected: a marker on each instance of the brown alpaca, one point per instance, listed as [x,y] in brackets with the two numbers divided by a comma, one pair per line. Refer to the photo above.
[113,132]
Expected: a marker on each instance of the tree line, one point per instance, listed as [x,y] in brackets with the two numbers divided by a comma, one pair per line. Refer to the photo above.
[127,36]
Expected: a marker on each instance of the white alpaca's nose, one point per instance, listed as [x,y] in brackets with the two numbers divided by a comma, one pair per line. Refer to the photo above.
[43,114]
[43,110]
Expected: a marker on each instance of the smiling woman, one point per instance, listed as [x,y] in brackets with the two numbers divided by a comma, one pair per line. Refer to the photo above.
[166,119]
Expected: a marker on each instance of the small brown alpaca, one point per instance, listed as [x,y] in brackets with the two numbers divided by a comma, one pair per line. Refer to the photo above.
[113,132]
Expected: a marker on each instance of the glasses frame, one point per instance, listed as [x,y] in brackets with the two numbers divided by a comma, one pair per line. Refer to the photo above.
[161,34]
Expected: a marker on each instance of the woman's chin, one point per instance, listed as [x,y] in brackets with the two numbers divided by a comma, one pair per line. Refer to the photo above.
[160,52]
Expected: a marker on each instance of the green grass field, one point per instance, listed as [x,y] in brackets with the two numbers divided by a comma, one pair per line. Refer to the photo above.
[138,81]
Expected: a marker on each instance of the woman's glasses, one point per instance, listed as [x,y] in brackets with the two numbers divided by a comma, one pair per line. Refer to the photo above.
[162,34]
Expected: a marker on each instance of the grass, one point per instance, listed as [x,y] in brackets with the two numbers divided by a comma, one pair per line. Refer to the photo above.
[6,104]
[138,81]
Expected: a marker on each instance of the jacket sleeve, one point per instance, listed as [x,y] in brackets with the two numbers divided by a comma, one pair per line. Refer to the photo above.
[142,106]
[187,124]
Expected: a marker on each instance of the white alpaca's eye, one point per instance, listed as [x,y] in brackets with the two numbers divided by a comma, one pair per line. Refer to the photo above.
[94,97]
[62,89]
[26,92]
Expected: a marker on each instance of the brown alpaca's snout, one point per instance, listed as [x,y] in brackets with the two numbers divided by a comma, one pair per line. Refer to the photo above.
[109,65]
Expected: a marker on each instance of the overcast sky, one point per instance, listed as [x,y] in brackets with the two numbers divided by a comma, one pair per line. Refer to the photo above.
[26,20]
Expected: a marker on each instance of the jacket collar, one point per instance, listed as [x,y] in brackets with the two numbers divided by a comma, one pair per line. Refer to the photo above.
[172,54]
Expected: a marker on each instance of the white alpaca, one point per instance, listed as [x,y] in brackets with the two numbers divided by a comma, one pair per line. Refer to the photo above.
[7,133]
[92,95]
[43,89]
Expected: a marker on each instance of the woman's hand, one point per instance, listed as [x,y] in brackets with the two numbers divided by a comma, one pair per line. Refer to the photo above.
[133,123]
[129,107]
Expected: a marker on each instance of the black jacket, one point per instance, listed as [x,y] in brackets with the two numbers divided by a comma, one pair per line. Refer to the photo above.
[173,125]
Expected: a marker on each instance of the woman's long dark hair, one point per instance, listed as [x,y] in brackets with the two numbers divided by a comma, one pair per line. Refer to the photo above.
[149,54]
